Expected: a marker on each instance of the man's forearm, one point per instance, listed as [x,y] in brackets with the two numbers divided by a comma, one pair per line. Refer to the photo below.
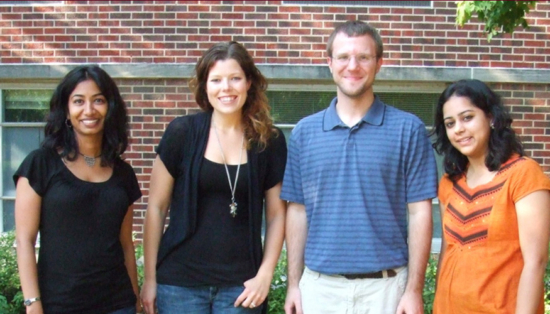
[420,239]
[296,233]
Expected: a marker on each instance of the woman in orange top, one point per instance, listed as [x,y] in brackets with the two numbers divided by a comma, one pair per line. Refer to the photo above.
[495,208]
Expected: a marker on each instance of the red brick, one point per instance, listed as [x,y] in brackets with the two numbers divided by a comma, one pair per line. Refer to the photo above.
[87,53]
[434,19]
[31,45]
[64,24]
[220,38]
[10,16]
[18,24]
[64,38]
[88,23]
[87,8]
[279,16]
[11,31]
[152,53]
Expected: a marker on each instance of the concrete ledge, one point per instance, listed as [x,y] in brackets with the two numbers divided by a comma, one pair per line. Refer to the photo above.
[285,72]
[147,70]
[512,75]
[34,71]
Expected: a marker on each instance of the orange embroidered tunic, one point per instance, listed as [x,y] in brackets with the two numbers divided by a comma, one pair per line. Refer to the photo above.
[482,264]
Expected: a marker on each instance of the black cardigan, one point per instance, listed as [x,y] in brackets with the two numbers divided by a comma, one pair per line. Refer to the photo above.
[190,135]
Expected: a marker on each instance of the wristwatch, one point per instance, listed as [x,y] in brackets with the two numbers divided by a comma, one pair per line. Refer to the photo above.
[28,302]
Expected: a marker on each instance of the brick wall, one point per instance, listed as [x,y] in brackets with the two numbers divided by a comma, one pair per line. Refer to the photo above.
[179,31]
[152,104]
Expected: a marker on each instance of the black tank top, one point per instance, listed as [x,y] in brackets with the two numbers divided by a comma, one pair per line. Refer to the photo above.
[218,253]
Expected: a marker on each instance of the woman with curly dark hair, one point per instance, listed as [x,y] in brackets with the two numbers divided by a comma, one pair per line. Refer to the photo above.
[215,170]
[495,208]
[78,193]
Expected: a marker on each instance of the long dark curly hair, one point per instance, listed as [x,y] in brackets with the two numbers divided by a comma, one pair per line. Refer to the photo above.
[503,141]
[61,137]
[256,117]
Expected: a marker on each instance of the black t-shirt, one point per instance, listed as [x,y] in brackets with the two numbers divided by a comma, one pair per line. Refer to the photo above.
[182,150]
[81,263]
[217,254]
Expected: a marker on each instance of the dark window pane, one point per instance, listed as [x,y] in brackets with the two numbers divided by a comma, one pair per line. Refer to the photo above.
[27,3]
[365,3]
[436,218]
[288,107]
[26,105]
[17,143]
[8,217]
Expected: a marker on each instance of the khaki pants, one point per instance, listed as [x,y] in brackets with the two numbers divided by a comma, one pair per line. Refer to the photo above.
[327,294]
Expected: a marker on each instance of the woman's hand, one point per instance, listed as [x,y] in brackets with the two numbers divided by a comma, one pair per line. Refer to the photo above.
[35,308]
[149,296]
[255,291]
[139,306]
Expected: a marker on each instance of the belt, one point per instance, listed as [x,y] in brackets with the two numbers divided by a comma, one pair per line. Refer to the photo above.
[387,273]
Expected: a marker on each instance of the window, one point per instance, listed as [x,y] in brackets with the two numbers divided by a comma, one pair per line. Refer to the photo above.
[289,106]
[27,3]
[364,3]
[22,127]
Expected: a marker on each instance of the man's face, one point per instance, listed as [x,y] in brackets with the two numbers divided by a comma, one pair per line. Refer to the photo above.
[353,64]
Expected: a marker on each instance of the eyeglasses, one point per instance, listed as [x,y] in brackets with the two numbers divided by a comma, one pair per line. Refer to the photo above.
[361,59]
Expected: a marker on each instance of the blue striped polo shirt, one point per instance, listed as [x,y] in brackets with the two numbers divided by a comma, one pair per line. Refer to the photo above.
[355,183]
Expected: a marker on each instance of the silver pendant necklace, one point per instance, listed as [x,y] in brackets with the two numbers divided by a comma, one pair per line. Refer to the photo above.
[89,160]
[233,205]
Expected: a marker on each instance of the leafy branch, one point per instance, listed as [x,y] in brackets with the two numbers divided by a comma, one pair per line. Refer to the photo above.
[498,16]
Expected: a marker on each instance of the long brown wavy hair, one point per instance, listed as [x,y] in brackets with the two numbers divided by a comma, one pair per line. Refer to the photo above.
[257,121]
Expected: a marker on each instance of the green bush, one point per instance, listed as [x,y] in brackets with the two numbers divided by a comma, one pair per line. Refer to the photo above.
[11,297]
[547,289]
[139,261]
[428,295]
[277,295]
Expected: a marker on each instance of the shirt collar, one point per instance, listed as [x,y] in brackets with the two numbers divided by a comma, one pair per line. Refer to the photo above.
[374,116]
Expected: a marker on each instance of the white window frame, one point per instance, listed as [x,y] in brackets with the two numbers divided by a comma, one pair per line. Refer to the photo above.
[4,125]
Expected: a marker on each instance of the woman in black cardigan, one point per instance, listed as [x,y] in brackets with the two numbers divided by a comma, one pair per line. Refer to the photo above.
[215,170]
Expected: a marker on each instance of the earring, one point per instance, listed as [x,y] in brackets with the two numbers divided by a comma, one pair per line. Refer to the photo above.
[68,123]
[492,125]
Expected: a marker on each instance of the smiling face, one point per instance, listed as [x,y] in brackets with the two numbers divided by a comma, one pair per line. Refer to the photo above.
[468,127]
[87,110]
[353,64]
[227,87]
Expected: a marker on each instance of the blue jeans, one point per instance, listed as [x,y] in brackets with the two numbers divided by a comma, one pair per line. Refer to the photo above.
[200,300]
[126,310]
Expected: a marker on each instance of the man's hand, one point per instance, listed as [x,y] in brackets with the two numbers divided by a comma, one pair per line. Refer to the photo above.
[410,303]
[293,303]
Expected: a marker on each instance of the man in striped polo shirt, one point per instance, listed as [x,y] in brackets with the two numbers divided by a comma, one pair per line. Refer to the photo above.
[359,180]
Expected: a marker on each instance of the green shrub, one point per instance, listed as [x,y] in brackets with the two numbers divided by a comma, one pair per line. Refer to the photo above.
[428,294]
[547,289]
[139,261]
[11,297]
[277,295]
